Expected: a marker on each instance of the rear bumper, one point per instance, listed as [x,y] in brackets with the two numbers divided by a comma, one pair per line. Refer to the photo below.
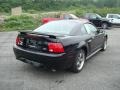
[57,61]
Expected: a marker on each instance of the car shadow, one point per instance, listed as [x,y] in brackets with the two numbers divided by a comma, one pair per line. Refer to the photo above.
[59,76]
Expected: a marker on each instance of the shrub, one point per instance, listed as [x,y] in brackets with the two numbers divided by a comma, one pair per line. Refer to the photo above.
[32,11]
[21,23]
[102,11]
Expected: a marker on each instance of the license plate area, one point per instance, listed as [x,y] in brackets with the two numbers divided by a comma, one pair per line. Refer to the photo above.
[32,43]
[36,44]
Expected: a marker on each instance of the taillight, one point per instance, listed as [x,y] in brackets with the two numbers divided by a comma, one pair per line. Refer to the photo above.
[19,41]
[55,47]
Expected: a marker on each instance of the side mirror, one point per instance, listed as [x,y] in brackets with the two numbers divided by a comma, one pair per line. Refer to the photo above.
[97,18]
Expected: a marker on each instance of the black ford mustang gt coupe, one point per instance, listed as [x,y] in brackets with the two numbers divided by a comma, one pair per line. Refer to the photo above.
[60,44]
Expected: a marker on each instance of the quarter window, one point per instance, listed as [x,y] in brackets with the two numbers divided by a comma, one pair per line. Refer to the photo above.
[90,29]
[116,16]
[79,30]
[83,30]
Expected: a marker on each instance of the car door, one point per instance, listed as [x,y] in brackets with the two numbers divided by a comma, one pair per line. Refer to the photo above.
[96,39]
[110,17]
[116,19]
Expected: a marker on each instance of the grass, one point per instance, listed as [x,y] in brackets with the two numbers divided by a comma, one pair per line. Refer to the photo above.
[22,22]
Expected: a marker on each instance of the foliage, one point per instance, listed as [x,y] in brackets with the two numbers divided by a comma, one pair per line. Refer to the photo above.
[101,11]
[20,23]
[47,5]
[28,21]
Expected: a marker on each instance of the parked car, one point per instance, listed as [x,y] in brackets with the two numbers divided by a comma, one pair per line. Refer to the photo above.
[114,18]
[60,44]
[98,21]
[46,20]
[62,16]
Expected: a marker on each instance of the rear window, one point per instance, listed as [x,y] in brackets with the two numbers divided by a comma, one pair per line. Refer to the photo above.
[57,27]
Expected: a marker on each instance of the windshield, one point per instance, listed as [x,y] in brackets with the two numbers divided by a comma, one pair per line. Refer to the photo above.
[98,16]
[73,16]
[56,27]
[118,15]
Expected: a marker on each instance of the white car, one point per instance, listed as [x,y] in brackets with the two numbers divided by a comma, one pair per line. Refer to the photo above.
[114,18]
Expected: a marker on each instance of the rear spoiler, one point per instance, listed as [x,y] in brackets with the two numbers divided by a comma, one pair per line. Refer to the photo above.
[35,33]
[25,31]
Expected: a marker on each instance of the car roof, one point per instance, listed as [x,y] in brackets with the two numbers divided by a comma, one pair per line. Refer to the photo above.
[112,14]
[78,21]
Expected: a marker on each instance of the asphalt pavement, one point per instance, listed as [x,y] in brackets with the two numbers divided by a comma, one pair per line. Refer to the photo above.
[101,72]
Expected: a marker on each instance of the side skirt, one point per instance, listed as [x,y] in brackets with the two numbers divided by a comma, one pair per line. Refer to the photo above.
[92,54]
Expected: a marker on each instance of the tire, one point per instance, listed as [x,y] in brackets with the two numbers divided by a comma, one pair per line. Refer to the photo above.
[79,62]
[104,26]
[104,47]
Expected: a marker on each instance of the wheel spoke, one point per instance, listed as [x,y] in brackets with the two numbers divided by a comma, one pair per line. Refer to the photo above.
[105,45]
[80,61]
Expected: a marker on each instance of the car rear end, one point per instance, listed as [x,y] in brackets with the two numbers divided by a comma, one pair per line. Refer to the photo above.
[36,48]
[51,44]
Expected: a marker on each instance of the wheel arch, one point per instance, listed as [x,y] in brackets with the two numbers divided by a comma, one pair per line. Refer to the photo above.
[105,22]
[85,49]
[106,36]
[83,46]
[109,25]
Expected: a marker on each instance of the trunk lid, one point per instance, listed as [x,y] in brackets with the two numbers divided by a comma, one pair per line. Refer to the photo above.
[37,41]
